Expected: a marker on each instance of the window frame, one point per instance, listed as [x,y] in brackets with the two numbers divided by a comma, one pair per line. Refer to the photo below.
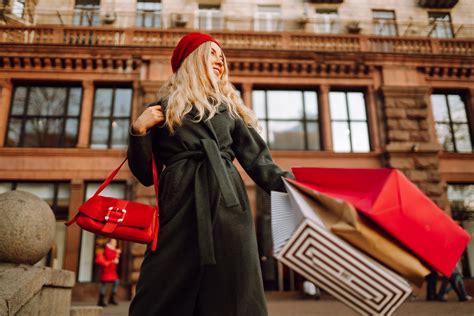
[444,24]
[86,14]
[18,8]
[464,97]
[213,16]
[24,116]
[302,120]
[328,21]
[111,117]
[384,23]
[154,14]
[348,121]
[272,21]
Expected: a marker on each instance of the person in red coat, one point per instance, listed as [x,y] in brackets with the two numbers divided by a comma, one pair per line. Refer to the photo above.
[108,261]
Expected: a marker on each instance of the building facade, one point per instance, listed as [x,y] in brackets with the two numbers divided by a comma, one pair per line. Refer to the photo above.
[335,83]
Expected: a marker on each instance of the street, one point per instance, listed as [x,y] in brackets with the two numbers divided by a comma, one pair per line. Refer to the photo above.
[295,304]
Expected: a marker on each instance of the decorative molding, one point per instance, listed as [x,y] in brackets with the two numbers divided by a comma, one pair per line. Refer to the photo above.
[299,68]
[447,72]
[73,64]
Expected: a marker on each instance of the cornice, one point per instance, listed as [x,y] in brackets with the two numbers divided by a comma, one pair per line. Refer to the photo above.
[42,63]
[447,72]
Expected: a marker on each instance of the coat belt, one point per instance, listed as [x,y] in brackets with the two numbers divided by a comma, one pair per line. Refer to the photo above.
[209,156]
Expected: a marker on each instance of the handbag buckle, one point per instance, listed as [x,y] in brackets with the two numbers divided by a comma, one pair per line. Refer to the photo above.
[111,209]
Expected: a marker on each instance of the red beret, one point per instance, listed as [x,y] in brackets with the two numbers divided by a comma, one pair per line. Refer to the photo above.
[187,45]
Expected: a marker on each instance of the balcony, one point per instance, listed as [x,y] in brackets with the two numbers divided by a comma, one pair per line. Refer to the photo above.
[142,37]
[155,20]
[441,4]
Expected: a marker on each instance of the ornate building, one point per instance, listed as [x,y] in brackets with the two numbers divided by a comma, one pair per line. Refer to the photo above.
[341,83]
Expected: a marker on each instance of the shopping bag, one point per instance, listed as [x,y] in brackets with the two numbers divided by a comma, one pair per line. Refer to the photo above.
[343,220]
[395,204]
[341,270]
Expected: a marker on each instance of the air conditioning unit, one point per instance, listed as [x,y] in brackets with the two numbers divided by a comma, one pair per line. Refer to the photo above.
[109,18]
[179,20]
[353,27]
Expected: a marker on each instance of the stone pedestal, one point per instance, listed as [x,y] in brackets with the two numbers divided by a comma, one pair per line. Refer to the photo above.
[28,290]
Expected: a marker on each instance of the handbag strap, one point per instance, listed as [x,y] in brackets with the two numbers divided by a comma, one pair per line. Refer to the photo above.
[110,178]
[114,173]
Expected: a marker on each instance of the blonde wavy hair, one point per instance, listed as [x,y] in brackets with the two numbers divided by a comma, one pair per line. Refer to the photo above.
[194,86]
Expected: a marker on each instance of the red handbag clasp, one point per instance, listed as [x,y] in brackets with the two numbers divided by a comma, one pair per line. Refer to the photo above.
[115,214]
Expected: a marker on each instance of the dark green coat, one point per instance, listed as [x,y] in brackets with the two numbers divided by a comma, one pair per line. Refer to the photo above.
[207,261]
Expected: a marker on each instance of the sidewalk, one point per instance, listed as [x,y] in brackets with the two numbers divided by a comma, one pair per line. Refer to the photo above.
[294,304]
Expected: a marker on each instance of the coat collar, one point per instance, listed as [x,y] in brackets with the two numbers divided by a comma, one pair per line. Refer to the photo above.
[209,126]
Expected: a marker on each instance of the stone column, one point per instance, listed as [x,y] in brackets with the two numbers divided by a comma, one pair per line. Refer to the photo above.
[247,94]
[85,124]
[73,232]
[325,118]
[6,93]
[410,145]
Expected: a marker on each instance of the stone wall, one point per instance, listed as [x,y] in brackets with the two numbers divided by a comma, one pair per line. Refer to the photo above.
[411,145]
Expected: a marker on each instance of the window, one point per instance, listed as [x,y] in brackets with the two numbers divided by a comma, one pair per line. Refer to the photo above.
[384,23]
[348,121]
[18,8]
[56,194]
[87,12]
[441,25]
[210,17]
[90,243]
[461,197]
[268,18]
[452,126]
[148,13]
[289,118]
[327,21]
[111,117]
[44,116]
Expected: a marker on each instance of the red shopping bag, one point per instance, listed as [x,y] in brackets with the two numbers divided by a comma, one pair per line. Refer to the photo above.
[394,203]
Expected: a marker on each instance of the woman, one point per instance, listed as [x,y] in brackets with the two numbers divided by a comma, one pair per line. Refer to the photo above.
[108,261]
[207,261]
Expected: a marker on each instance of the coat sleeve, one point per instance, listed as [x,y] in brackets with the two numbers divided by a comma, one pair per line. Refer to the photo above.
[140,148]
[254,156]
[140,153]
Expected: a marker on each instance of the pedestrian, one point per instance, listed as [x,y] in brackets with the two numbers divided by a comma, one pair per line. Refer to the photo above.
[108,261]
[457,284]
[431,282]
[207,261]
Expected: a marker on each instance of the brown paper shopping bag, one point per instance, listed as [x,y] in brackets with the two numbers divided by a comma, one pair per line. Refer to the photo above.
[343,220]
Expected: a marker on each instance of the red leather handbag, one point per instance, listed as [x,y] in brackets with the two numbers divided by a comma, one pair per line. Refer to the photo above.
[120,219]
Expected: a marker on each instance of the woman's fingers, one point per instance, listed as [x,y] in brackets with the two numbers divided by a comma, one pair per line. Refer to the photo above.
[157,113]
[152,116]
[155,107]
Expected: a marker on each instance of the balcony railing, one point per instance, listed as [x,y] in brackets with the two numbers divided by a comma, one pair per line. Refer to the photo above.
[222,22]
[107,36]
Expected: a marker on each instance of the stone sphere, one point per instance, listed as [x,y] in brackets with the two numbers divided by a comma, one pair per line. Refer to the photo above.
[27,227]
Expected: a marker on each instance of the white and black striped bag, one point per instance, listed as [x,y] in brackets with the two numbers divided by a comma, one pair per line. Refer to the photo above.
[304,244]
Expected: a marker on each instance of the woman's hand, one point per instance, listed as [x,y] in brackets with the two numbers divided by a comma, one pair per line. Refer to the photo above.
[152,116]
